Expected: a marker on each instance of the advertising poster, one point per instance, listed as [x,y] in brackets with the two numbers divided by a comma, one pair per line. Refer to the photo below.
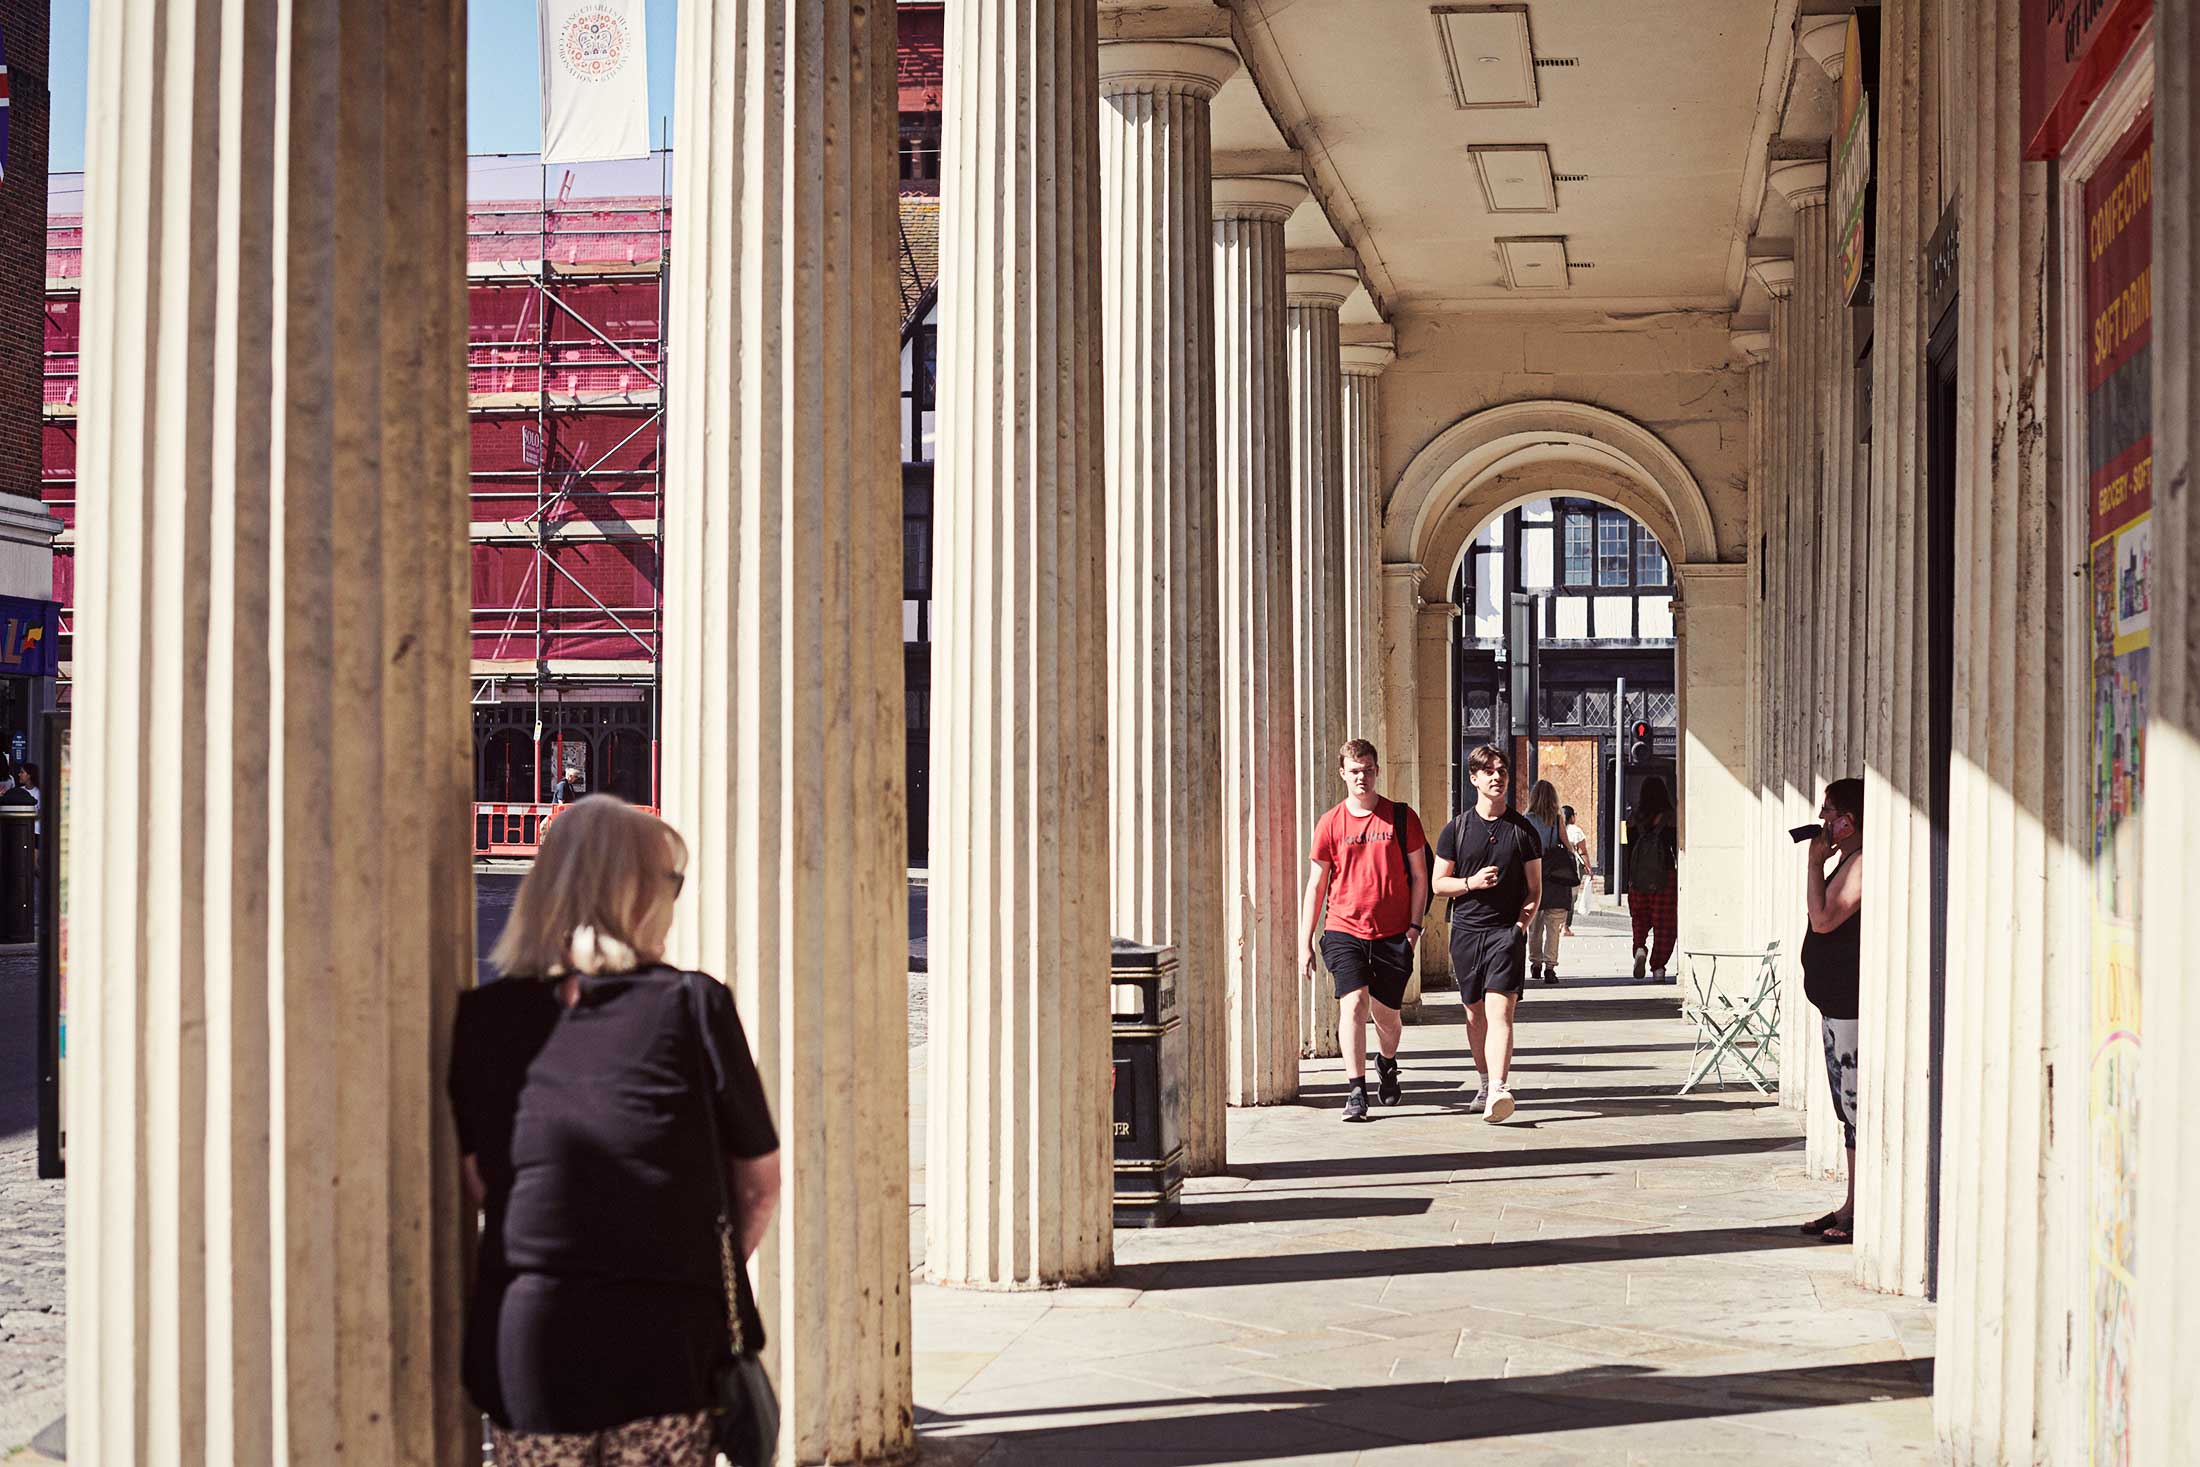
[2119,459]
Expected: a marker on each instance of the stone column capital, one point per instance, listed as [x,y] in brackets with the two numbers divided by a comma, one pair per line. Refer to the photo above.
[1776,273]
[1164,66]
[1406,573]
[1317,288]
[1271,199]
[1366,358]
[1754,341]
[1800,181]
[1825,40]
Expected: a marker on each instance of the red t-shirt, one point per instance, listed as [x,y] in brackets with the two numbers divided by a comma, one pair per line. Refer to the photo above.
[1370,894]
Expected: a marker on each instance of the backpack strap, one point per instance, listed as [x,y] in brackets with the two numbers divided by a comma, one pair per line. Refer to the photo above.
[1400,814]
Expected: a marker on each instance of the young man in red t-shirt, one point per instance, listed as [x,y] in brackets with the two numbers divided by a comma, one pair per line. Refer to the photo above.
[1377,889]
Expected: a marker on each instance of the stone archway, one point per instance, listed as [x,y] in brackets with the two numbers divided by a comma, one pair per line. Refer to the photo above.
[1480,467]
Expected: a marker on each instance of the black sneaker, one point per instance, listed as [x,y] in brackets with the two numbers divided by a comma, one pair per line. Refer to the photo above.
[1355,1103]
[1386,1081]
[1550,975]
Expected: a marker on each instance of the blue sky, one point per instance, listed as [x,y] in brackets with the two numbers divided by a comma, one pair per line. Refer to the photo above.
[503,110]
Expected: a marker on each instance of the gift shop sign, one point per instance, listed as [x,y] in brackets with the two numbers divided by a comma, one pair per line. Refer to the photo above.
[2071,49]
[1852,164]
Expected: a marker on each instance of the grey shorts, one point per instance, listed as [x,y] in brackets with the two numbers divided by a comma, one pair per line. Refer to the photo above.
[1841,1074]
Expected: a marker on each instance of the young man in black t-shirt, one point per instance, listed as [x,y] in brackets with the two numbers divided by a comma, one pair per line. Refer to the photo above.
[1493,904]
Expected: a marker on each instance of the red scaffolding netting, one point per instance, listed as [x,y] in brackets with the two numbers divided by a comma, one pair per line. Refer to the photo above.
[564,354]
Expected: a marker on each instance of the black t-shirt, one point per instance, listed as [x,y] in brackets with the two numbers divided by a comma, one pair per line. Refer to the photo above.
[1509,843]
[599,1299]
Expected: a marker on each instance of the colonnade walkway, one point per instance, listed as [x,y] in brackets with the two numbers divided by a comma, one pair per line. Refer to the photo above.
[1613,1277]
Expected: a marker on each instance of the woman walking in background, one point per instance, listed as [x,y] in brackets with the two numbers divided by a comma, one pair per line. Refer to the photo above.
[1653,878]
[1560,878]
[1577,841]
[590,1086]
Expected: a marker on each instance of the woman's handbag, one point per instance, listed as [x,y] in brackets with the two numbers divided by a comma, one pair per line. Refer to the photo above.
[744,1409]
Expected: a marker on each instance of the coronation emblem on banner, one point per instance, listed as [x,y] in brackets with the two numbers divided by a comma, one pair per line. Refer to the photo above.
[594,43]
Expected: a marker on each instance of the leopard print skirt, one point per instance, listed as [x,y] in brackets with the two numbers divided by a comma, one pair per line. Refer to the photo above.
[660,1441]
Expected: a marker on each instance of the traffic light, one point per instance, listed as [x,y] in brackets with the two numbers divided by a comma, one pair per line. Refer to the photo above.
[1638,751]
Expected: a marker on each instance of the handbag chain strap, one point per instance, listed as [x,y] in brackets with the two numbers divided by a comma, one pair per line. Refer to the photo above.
[729,1262]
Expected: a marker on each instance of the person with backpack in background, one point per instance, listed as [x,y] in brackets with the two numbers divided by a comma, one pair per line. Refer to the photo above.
[1653,878]
[1370,869]
[1577,841]
[1560,877]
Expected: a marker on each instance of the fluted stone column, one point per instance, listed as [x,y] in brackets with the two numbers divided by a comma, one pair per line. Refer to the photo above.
[1361,416]
[272,919]
[1262,862]
[1894,1125]
[782,618]
[2169,933]
[1814,545]
[1786,620]
[1436,633]
[1400,736]
[1164,621]
[1317,584]
[1018,1178]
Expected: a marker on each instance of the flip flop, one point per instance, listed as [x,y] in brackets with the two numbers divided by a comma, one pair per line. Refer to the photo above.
[1816,1227]
[1841,1232]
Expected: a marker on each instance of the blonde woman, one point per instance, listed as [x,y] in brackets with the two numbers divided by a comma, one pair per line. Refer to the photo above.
[579,1082]
[1560,876]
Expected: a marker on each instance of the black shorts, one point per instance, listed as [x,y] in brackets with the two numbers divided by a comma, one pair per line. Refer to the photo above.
[1381,965]
[1486,960]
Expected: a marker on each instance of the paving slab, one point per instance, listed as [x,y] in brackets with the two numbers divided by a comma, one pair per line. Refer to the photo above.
[1614,1278]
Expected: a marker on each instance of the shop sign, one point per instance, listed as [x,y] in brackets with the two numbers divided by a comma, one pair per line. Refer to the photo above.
[1852,169]
[2071,49]
[28,633]
[2116,245]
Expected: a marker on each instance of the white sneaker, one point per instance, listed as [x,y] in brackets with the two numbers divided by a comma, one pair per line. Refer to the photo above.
[1657,975]
[1642,956]
[1500,1106]
[1481,1095]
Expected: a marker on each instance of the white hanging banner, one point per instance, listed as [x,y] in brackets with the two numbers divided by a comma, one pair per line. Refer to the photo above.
[595,80]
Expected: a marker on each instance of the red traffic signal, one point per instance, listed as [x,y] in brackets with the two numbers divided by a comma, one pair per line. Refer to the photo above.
[1642,730]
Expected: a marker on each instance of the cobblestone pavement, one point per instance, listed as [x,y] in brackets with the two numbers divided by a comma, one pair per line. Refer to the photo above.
[31,1279]
[1612,1278]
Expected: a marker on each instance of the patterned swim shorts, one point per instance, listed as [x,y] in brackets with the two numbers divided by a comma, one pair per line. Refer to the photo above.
[660,1441]
[1841,1074]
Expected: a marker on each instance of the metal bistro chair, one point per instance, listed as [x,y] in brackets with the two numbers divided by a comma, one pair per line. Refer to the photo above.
[1737,1021]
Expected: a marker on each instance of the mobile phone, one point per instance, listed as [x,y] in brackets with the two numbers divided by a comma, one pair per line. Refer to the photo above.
[1803,833]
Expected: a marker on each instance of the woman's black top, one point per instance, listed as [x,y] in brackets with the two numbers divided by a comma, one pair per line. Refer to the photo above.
[599,1299]
[1831,961]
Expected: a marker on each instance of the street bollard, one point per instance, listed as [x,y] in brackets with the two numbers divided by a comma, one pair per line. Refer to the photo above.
[1148,1084]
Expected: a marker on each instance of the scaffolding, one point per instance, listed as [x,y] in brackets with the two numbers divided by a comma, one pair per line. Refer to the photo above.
[565,405]
[565,368]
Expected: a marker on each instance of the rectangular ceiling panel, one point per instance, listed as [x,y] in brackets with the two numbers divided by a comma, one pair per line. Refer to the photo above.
[1535,263]
[1487,49]
[1517,180]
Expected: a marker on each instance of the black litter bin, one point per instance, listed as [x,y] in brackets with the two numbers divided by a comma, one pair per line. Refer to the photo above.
[18,873]
[1149,1085]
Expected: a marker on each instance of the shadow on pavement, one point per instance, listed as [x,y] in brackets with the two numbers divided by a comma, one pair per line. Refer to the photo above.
[1466,1161]
[1457,1258]
[1264,1207]
[1292,1422]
